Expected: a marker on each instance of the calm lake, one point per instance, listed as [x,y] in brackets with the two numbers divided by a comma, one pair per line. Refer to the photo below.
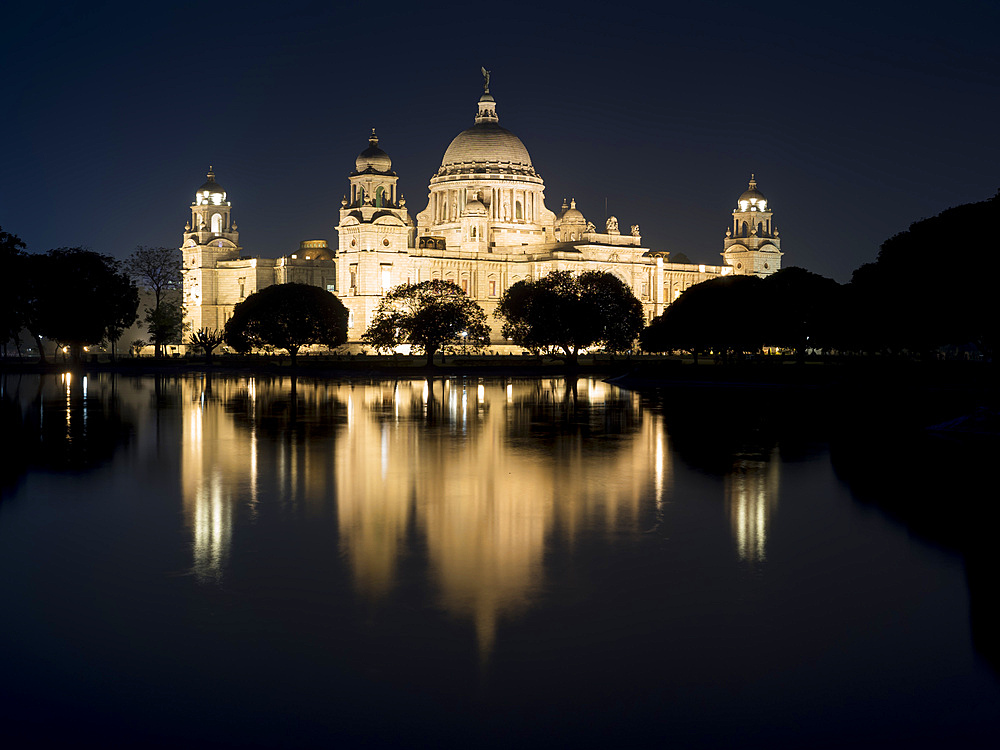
[248,561]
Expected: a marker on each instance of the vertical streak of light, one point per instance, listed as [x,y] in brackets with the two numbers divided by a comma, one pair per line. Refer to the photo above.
[253,471]
[385,452]
[658,467]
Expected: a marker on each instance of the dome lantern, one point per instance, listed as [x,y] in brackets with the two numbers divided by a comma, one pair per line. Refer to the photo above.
[752,199]
[210,192]
[373,158]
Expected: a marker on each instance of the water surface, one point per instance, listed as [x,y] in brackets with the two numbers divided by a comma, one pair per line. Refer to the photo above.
[256,562]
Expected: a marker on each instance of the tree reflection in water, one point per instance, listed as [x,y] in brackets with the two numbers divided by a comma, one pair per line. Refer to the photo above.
[66,423]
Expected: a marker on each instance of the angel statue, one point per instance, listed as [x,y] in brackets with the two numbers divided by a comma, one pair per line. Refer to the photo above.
[612,225]
[486,80]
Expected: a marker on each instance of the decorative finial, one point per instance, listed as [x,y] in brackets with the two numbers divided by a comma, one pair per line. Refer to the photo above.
[753,182]
[373,139]
[486,80]
[211,173]
[572,202]
[565,205]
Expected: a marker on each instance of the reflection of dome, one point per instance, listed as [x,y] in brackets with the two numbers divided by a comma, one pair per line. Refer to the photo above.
[373,157]
[486,144]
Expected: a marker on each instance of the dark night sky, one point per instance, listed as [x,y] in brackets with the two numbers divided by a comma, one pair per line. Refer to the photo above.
[858,118]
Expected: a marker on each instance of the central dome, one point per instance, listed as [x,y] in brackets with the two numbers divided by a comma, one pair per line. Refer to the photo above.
[486,144]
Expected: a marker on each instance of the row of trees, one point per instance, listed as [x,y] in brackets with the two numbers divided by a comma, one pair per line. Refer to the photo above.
[559,314]
[79,297]
[894,305]
[915,299]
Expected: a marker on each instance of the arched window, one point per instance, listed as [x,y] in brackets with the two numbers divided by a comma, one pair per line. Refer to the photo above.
[746,230]
[760,227]
[518,211]
[379,193]
[216,223]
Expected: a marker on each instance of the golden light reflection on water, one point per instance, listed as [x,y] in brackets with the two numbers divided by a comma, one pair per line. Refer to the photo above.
[477,476]
[751,496]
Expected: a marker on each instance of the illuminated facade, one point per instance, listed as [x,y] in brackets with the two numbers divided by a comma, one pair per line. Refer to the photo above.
[752,246]
[216,277]
[485,227]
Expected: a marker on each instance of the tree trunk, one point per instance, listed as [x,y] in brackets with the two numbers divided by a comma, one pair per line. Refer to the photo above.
[41,349]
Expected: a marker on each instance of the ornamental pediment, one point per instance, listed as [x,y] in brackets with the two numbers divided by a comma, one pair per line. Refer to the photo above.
[387,218]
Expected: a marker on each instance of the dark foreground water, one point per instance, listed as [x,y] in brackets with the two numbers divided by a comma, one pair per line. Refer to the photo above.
[248,562]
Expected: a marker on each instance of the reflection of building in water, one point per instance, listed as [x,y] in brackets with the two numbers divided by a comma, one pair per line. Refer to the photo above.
[483,474]
[226,465]
[751,494]
[212,461]
[445,457]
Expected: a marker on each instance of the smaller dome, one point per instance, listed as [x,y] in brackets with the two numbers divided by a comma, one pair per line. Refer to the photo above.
[572,215]
[373,157]
[752,197]
[212,187]
[474,207]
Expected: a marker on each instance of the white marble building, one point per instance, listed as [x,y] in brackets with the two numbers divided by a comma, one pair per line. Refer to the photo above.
[485,227]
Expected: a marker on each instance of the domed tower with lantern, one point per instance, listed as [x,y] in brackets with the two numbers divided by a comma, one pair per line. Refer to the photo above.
[210,237]
[486,165]
[752,246]
[375,233]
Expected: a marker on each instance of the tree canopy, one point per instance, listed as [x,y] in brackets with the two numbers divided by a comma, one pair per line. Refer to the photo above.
[208,340]
[562,313]
[429,315]
[722,315]
[13,305]
[800,309]
[78,297]
[900,306]
[287,316]
[158,269]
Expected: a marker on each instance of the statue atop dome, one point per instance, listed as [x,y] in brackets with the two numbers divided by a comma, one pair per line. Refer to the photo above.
[486,80]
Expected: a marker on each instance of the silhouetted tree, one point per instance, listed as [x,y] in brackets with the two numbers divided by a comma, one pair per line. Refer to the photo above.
[902,307]
[78,297]
[429,315]
[799,310]
[164,324]
[723,315]
[561,314]
[13,301]
[207,339]
[287,316]
[158,269]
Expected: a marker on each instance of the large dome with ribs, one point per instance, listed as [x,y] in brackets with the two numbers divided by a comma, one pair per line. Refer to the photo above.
[486,145]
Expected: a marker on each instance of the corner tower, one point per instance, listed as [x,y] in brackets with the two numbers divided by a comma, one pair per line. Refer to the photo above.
[210,237]
[752,246]
[375,234]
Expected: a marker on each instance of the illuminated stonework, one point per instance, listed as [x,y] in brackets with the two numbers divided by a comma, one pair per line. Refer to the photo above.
[485,227]
[752,246]
[216,277]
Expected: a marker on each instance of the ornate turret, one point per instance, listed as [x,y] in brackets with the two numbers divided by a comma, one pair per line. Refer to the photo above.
[210,212]
[373,183]
[210,238]
[751,246]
